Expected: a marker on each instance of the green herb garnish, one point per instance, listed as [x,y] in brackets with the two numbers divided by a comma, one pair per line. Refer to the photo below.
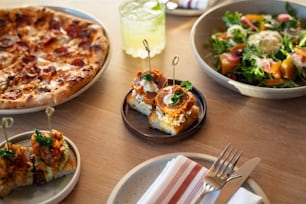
[176,97]
[179,94]
[291,11]
[9,154]
[187,85]
[157,7]
[43,141]
[230,19]
[148,77]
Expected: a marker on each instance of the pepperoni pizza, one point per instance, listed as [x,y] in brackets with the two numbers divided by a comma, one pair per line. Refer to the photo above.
[46,56]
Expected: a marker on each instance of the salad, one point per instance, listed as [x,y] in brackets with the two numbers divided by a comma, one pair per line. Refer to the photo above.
[262,49]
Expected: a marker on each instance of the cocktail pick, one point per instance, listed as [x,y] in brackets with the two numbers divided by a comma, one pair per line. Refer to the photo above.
[49,111]
[175,61]
[6,122]
[146,44]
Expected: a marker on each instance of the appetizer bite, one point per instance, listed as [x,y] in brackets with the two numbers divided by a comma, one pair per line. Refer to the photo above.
[47,158]
[15,168]
[145,87]
[50,156]
[176,109]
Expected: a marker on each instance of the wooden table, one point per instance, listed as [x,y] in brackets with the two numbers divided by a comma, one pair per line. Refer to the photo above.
[274,130]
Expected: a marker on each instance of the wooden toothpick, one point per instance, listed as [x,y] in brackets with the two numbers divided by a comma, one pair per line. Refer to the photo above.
[175,61]
[49,111]
[6,122]
[146,44]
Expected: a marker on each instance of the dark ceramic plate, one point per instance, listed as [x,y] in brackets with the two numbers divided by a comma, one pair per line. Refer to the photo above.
[138,124]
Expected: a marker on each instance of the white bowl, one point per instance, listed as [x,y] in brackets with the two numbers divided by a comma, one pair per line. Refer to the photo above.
[207,24]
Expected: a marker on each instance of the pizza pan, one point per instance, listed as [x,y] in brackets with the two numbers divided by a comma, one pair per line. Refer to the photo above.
[52,192]
[79,14]
[138,124]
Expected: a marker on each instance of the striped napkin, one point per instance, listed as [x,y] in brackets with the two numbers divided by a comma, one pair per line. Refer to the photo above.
[181,181]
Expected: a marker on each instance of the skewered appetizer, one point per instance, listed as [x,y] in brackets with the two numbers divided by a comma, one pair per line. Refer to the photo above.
[176,109]
[15,168]
[47,158]
[51,156]
[145,87]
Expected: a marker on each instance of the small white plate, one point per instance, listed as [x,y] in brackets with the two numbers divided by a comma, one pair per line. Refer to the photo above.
[134,184]
[184,12]
[193,12]
[49,193]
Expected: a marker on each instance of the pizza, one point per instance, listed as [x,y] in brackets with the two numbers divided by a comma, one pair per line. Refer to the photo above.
[46,56]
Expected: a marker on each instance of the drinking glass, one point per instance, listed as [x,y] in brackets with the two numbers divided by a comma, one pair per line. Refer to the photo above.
[142,20]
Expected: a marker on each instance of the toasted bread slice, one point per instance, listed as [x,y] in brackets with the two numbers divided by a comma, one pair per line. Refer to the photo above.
[6,187]
[167,125]
[51,156]
[15,168]
[45,173]
[138,105]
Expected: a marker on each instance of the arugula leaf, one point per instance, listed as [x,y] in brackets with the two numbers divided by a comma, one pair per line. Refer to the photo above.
[43,141]
[290,10]
[238,36]
[302,42]
[292,23]
[231,19]
[287,43]
[147,77]
[303,22]
[220,46]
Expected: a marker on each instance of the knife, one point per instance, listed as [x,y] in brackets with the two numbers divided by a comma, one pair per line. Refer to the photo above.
[232,186]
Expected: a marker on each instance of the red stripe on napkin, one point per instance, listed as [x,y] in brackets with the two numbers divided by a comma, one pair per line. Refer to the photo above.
[173,181]
[197,188]
[185,184]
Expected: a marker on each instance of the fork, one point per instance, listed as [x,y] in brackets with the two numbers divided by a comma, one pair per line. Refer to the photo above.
[221,171]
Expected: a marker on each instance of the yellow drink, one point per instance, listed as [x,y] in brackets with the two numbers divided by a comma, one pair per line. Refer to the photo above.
[142,19]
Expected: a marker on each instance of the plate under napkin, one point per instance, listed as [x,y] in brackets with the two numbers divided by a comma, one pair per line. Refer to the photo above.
[181,182]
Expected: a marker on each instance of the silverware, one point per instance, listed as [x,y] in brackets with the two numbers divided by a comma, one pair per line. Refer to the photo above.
[220,172]
[232,186]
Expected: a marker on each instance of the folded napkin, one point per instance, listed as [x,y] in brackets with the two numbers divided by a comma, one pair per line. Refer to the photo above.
[181,181]
[193,4]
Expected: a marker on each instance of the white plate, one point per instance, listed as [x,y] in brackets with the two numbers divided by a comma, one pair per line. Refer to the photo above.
[184,12]
[193,12]
[48,193]
[134,184]
[79,14]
